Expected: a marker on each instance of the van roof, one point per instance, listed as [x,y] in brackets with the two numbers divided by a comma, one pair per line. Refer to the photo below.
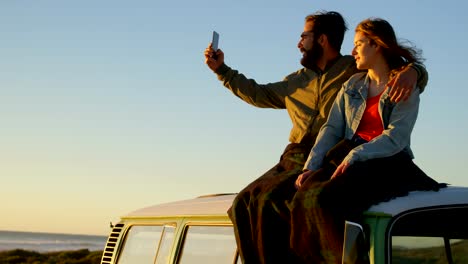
[218,204]
[451,195]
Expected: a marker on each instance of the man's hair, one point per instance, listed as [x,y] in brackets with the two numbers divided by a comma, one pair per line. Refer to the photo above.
[332,24]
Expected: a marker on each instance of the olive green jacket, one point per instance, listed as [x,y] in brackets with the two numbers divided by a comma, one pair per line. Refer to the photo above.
[306,94]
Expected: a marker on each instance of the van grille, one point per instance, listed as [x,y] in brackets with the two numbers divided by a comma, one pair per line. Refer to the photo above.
[111,244]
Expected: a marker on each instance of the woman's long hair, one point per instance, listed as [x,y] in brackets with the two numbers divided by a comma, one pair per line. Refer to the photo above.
[381,33]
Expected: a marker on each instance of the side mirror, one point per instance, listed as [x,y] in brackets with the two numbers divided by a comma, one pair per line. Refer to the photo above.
[354,245]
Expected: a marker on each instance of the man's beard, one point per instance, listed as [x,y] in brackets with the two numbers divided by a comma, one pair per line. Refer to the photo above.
[311,57]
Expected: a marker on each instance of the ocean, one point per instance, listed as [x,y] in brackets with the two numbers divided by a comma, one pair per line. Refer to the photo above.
[48,242]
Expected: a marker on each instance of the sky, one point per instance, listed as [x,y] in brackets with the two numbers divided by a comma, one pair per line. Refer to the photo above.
[107,106]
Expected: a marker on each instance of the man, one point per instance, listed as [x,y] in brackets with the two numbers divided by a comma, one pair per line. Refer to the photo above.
[259,212]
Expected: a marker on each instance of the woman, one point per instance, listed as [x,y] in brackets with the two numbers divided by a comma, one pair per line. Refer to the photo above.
[362,155]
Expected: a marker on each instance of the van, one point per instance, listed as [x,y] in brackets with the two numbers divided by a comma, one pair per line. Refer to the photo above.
[422,227]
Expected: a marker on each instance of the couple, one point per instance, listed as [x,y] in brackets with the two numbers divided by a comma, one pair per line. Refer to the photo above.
[349,146]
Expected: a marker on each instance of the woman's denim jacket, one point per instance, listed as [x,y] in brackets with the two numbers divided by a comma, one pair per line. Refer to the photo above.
[346,113]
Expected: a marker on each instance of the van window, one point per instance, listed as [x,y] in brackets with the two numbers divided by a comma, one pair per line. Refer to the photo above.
[437,235]
[140,245]
[165,246]
[409,249]
[208,245]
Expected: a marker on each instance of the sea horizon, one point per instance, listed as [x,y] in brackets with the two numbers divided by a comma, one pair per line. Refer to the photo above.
[49,242]
[49,232]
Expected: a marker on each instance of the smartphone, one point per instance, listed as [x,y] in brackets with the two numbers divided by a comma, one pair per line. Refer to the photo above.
[215,40]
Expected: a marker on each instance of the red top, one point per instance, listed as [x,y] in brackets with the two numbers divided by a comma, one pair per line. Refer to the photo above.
[371,122]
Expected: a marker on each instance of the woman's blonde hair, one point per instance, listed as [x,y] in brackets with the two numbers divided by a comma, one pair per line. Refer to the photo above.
[381,33]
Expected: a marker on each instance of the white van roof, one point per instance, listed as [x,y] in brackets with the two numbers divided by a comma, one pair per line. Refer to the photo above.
[451,195]
[207,205]
[218,204]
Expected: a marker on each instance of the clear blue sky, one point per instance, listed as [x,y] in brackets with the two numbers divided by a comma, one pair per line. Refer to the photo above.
[107,106]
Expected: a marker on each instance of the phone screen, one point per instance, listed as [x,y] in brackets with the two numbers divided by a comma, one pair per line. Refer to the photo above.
[214,42]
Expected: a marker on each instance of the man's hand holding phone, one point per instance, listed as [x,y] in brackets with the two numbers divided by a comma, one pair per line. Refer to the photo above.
[214,57]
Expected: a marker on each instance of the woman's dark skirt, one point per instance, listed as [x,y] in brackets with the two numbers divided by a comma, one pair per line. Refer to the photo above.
[321,206]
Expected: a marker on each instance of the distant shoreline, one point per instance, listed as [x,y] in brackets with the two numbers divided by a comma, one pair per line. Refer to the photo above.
[67,256]
[49,242]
